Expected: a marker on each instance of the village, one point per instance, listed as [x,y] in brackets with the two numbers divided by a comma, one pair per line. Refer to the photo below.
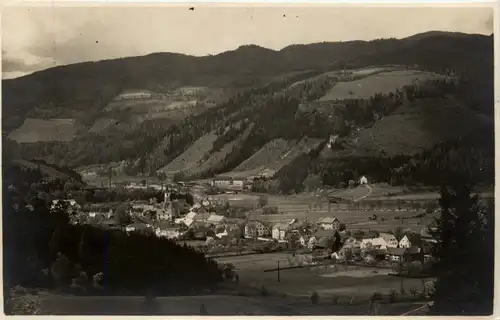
[213,226]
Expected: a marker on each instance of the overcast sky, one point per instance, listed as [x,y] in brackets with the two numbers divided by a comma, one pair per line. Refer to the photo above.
[36,38]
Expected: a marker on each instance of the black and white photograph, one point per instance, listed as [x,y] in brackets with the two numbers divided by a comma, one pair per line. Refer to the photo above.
[216,159]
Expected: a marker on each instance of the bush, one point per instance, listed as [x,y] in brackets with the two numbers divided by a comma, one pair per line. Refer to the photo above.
[314,297]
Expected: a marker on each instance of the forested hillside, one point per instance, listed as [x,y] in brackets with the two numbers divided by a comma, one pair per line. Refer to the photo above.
[286,94]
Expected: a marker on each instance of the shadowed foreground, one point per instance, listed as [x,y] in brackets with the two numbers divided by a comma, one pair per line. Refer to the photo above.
[213,305]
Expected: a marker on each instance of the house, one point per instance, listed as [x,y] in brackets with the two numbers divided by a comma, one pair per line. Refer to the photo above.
[410,240]
[323,238]
[217,219]
[426,236]
[229,183]
[256,229]
[395,254]
[166,230]
[280,230]
[405,254]
[378,243]
[414,254]
[329,223]
[363,180]
[390,239]
[351,243]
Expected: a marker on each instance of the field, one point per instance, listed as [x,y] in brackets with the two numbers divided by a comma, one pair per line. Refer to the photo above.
[216,158]
[55,304]
[103,124]
[355,72]
[312,207]
[384,83]
[47,170]
[272,157]
[360,282]
[193,156]
[139,105]
[40,130]
[418,126]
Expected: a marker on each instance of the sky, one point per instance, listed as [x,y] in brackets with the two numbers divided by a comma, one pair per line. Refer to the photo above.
[36,38]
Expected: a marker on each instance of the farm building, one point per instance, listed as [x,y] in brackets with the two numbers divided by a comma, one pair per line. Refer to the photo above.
[228,183]
[216,219]
[280,230]
[410,240]
[391,240]
[363,180]
[384,241]
[256,229]
[135,95]
[405,254]
[329,223]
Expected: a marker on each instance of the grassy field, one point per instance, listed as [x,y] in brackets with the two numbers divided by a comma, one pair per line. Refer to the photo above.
[419,125]
[360,282]
[384,83]
[273,156]
[38,130]
[192,156]
[216,158]
[56,304]
[43,168]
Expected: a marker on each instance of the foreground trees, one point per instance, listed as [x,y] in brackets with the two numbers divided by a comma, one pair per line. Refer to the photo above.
[42,249]
[465,249]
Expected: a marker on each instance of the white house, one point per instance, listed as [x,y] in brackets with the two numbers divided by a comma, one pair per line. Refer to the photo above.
[410,240]
[390,239]
[221,234]
[363,180]
[377,243]
[280,230]
[216,219]
[256,229]
[329,223]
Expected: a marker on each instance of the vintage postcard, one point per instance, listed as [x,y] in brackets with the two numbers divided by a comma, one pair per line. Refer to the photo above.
[248,159]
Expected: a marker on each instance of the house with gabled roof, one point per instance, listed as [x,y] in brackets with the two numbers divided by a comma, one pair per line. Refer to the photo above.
[256,229]
[329,223]
[216,219]
[410,240]
[280,230]
[390,239]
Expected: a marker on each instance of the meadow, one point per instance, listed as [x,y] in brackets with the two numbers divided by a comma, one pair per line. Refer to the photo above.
[384,82]
[40,130]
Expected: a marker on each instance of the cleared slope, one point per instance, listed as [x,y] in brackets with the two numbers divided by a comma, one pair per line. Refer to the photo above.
[193,156]
[272,157]
[384,83]
[35,130]
[419,125]
[216,158]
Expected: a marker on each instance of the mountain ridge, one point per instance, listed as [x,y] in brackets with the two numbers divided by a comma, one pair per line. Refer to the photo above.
[249,85]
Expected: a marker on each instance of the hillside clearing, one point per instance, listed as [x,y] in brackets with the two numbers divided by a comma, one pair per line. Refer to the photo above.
[40,130]
[420,125]
[384,83]
[193,156]
[273,156]
[216,158]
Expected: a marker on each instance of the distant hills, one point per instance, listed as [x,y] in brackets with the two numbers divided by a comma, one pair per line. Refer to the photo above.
[245,95]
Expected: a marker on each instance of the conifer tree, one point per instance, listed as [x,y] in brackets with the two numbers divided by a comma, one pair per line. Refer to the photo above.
[465,254]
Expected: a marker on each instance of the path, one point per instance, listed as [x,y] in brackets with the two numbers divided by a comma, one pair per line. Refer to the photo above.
[370,190]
